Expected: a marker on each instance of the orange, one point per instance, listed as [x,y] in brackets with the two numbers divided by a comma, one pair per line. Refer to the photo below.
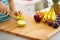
[40,13]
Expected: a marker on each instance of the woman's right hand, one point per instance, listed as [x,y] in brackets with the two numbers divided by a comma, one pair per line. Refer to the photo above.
[4,9]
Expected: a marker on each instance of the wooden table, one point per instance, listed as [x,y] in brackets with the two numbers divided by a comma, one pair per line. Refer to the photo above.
[32,30]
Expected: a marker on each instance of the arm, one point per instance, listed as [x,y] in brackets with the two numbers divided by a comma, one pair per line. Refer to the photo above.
[12,7]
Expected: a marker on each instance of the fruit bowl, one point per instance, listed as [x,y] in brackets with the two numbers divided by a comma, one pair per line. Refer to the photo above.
[3,17]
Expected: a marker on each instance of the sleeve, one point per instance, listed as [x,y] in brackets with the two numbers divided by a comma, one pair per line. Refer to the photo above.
[5,2]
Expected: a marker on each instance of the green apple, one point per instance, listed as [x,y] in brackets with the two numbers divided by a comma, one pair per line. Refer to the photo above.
[21,23]
[20,17]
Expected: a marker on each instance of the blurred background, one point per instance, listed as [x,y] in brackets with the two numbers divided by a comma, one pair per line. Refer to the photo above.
[30,6]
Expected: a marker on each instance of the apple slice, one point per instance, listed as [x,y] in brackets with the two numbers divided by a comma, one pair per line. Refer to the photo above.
[21,23]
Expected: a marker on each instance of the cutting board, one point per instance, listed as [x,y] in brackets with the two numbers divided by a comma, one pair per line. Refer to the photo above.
[32,30]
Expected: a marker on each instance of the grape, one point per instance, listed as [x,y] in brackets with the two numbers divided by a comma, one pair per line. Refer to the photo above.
[55,24]
[50,23]
[58,21]
[37,18]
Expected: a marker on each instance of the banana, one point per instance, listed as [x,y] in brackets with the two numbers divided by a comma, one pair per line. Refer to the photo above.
[50,15]
[53,16]
[45,16]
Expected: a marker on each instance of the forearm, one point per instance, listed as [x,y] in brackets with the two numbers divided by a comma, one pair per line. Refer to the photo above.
[12,6]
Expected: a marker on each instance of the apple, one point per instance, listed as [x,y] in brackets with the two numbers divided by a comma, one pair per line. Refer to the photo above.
[21,23]
[37,18]
[20,17]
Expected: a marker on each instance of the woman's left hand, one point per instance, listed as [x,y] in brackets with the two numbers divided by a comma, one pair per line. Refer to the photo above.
[17,13]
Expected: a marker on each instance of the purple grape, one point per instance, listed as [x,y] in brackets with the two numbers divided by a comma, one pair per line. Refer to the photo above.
[58,17]
[37,18]
[58,21]
[55,24]
[50,23]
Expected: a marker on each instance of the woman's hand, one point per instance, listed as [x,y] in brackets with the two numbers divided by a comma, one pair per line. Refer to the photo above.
[17,13]
[4,9]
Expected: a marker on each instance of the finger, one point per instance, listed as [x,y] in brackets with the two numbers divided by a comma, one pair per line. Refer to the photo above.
[4,10]
[1,10]
[15,14]
[11,13]
[20,13]
[7,12]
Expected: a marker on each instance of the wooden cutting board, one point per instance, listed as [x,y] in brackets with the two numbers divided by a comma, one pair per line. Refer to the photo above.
[32,30]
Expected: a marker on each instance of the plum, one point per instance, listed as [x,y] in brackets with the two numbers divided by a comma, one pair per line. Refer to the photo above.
[55,25]
[37,18]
